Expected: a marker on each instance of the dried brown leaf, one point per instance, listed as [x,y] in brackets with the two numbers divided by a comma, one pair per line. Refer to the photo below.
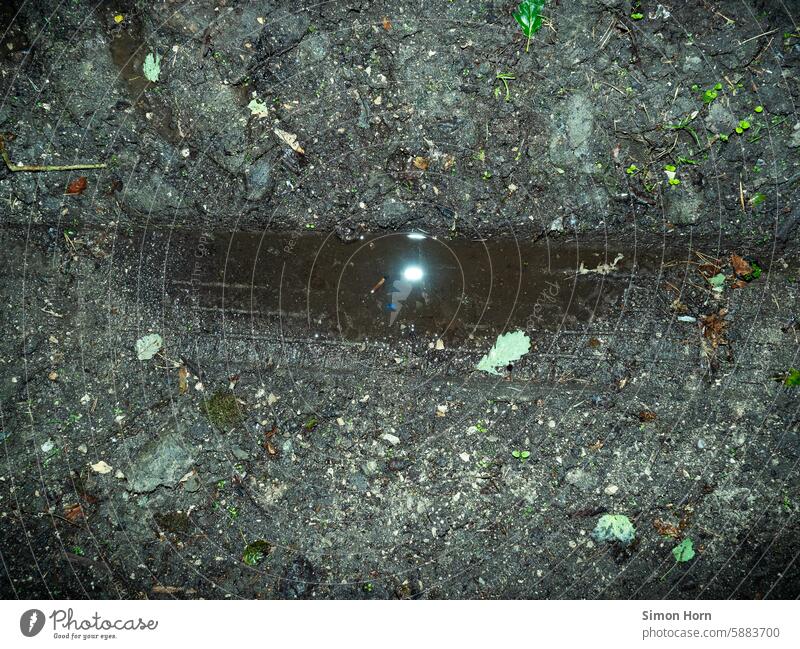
[387,25]
[421,163]
[77,186]
[647,415]
[73,512]
[666,529]
[740,266]
[183,384]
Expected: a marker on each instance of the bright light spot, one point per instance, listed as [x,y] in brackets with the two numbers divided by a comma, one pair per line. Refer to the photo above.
[416,235]
[413,273]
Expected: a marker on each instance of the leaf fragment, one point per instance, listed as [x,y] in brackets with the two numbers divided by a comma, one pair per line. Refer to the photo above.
[101,467]
[290,139]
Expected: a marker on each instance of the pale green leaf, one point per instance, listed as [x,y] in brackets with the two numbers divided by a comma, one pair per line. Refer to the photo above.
[508,348]
[614,527]
[152,67]
[147,346]
[683,552]
[258,108]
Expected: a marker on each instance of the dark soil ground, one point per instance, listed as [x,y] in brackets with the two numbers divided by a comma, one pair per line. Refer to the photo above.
[294,438]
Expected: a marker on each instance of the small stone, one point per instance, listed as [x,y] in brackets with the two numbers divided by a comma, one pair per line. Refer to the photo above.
[240,453]
[701,444]
[439,343]
[48,446]
[611,489]
[82,449]
[464,457]
[394,440]
[53,376]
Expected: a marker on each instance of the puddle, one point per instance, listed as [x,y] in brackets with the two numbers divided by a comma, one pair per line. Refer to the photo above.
[405,284]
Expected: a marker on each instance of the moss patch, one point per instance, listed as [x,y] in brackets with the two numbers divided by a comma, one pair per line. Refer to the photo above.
[222,410]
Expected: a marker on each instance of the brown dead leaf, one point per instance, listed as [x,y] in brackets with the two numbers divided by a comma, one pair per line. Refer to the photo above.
[449,161]
[183,384]
[709,270]
[679,307]
[739,283]
[421,163]
[594,343]
[73,512]
[714,328]
[77,186]
[647,416]
[666,529]
[272,451]
[387,25]
[740,266]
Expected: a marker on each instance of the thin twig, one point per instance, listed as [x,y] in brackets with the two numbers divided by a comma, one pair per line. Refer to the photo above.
[12,167]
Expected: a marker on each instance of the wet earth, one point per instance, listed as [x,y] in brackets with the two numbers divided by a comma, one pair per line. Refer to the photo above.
[328,212]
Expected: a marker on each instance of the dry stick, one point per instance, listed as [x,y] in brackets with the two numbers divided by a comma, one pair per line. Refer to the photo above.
[12,167]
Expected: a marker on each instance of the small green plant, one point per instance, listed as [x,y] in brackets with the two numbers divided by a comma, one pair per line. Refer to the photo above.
[710,95]
[481,427]
[504,77]
[369,587]
[233,512]
[671,170]
[77,549]
[632,170]
[759,109]
[528,16]
[255,552]
[792,378]
[521,455]
[311,424]
[743,126]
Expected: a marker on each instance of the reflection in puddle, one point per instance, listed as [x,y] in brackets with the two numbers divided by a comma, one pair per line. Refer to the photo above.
[402,284]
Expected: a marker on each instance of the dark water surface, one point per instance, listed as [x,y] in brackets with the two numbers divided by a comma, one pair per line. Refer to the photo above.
[395,284]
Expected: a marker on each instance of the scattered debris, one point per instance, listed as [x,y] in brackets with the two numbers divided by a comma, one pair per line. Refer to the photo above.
[601,269]
[714,328]
[101,467]
[666,529]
